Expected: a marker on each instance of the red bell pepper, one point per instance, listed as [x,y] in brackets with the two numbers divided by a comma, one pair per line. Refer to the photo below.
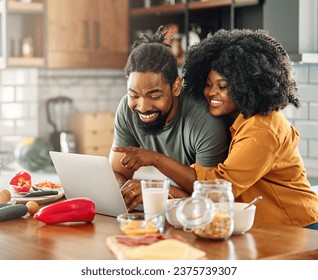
[71,210]
[21,182]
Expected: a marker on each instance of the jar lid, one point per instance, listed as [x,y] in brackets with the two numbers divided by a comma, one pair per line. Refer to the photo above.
[195,212]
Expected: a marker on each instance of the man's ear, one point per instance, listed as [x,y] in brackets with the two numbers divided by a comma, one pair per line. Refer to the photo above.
[177,86]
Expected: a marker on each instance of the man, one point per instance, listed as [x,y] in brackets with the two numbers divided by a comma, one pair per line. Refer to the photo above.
[155,115]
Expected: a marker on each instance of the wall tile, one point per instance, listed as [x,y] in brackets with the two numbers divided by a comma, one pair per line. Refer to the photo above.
[303,147]
[90,92]
[7,127]
[313,149]
[14,77]
[300,72]
[13,111]
[300,113]
[33,76]
[307,129]
[313,111]
[117,91]
[313,73]
[71,91]
[27,127]
[107,106]
[308,92]
[86,106]
[26,93]
[7,94]
[33,110]
[9,143]
[46,92]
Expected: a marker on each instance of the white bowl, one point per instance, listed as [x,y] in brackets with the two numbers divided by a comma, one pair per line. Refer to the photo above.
[171,215]
[243,219]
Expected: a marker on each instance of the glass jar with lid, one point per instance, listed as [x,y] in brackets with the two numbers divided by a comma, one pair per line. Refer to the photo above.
[209,211]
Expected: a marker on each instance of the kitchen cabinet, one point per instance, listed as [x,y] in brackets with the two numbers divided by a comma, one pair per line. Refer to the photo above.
[93,132]
[201,17]
[292,22]
[22,33]
[93,35]
[278,17]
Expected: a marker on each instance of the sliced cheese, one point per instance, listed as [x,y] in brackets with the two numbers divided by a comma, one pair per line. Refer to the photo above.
[169,249]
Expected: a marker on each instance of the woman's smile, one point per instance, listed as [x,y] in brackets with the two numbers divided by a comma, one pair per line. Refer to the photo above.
[215,102]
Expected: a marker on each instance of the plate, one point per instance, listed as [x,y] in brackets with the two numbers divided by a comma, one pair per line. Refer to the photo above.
[20,199]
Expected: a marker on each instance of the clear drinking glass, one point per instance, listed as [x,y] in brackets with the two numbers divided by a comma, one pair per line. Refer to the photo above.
[155,197]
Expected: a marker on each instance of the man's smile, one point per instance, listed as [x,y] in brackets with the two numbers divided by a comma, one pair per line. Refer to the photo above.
[148,117]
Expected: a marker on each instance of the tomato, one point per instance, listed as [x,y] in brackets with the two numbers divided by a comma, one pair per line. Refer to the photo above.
[21,182]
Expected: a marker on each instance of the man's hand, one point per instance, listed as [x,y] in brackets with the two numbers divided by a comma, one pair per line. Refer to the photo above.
[131,192]
[135,158]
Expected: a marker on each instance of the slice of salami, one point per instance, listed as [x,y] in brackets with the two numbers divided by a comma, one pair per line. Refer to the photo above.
[146,239]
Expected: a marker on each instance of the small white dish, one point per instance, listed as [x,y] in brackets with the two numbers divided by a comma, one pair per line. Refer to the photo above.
[243,219]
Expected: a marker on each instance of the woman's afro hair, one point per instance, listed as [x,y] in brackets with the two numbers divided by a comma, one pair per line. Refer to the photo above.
[256,66]
[152,54]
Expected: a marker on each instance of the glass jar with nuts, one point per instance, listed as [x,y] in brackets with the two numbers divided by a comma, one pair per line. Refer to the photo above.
[209,212]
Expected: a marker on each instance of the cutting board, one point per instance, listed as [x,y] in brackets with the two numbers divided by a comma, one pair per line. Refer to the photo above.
[39,199]
[174,251]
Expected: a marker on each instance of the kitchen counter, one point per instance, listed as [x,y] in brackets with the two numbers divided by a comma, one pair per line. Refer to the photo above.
[29,239]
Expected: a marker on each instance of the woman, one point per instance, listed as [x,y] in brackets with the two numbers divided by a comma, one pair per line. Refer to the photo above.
[246,76]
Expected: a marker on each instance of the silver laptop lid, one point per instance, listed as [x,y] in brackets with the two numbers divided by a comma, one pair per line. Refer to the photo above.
[92,177]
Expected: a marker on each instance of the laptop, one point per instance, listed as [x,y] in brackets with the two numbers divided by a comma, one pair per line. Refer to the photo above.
[92,177]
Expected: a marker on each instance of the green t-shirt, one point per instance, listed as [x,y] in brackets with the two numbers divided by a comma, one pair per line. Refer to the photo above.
[192,136]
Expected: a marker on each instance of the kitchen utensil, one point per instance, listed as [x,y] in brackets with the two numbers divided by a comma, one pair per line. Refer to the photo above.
[58,114]
[43,199]
[253,202]
[38,193]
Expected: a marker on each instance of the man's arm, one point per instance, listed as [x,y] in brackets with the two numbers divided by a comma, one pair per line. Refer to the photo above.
[133,158]
[122,174]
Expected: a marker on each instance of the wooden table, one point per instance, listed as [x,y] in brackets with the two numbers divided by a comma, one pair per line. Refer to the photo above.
[26,238]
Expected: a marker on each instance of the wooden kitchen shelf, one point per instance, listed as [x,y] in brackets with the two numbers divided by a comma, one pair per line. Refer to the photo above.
[159,9]
[192,5]
[20,7]
[26,61]
[198,5]
[181,7]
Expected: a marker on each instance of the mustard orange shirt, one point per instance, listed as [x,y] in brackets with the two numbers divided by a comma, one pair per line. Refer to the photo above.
[264,160]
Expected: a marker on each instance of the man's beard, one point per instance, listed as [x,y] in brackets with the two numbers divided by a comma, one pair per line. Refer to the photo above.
[155,127]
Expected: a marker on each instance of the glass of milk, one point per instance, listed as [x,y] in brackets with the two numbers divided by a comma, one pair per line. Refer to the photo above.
[155,197]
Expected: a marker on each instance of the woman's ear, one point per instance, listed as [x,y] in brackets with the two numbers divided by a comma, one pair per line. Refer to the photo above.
[177,86]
